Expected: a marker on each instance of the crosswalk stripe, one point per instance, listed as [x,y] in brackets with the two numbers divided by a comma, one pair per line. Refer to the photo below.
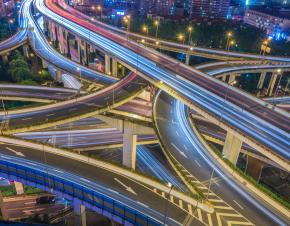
[223,207]
[163,194]
[229,215]
[199,214]
[180,203]
[189,208]
[215,200]
[230,223]
[209,220]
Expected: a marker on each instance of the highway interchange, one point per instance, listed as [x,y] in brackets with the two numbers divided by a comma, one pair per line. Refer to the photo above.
[235,109]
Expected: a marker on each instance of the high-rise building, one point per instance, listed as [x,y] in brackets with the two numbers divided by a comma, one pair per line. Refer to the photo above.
[212,9]
[6,6]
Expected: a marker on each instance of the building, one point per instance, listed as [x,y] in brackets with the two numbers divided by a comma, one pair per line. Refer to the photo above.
[211,9]
[6,7]
[273,23]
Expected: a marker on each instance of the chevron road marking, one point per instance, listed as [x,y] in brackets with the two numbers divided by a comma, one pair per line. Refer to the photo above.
[230,223]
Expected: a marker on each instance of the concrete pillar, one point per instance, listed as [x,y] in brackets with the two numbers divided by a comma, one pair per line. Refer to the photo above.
[107,64]
[272,84]
[4,58]
[19,188]
[44,64]
[114,67]
[232,78]
[224,78]
[80,214]
[129,145]
[261,80]
[254,167]
[232,148]
[79,50]
[187,59]
[58,75]
[61,40]
[26,50]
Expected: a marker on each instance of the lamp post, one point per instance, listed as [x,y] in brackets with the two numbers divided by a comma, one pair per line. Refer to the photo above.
[181,38]
[145,30]
[9,24]
[167,201]
[100,9]
[189,29]
[265,46]
[156,24]
[281,74]
[229,35]
[127,20]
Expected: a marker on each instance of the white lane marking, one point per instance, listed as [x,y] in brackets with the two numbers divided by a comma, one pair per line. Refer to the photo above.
[197,163]
[177,133]
[111,190]
[238,204]
[83,179]
[180,152]
[185,147]
[142,204]
[24,119]
[15,152]
[128,188]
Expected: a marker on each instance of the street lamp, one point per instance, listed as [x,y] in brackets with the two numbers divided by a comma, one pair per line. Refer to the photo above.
[167,201]
[181,38]
[145,29]
[229,35]
[265,46]
[9,24]
[127,20]
[189,29]
[281,74]
[156,24]
[100,9]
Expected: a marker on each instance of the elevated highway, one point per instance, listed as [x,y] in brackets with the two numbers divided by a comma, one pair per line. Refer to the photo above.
[183,147]
[213,99]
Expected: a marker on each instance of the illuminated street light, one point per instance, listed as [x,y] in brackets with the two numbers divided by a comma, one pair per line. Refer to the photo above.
[100,9]
[265,47]
[229,35]
[145,29]
[189,29]
[156,24]
[127,20]
[181,38]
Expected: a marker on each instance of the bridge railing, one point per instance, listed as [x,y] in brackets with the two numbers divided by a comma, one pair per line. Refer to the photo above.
[75,190]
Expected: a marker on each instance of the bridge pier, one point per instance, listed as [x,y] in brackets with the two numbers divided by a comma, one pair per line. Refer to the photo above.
[80,214]
[19,188]
[4,58]
[254,167]
[107,64]
[272,84]
[26,50]
[187,59]
[129,145]
[232,78]
[58,75]
[224,78]
[114,67]
[261,80]
[232,148]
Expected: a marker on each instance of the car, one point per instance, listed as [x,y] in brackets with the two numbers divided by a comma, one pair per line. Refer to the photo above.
[48,199]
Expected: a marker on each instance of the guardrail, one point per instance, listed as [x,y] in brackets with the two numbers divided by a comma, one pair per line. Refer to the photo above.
[88,195]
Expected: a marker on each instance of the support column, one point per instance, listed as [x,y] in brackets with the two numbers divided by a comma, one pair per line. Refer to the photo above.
[261,80]
[272,84]
[58,75]
[44,64]
[19,188]
[129,145]
[26,51]
[232,78]
[107,64]
[254,167]
[114,67]
[187,59]
[4,58]
[232,148]
[61,40]
[79,50]
[224,78]
[80,214]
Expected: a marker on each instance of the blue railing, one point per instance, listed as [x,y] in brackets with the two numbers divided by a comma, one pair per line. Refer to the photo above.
[78,191]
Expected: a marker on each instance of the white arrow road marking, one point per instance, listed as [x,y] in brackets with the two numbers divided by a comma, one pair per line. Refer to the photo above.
[15,152]
[180,152]
[129,189]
